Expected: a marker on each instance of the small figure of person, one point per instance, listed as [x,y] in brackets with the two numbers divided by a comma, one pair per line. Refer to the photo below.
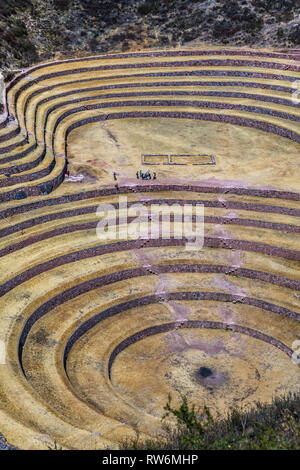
[154,175]
[115,176]
[137,175]
[67,173]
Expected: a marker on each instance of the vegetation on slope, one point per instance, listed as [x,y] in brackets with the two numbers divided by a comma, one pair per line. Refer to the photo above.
[32,30]
[15,45]
[274,426]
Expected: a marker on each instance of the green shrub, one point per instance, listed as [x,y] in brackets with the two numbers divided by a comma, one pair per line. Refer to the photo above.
[150,6]
[18,29]
[294,35]
[61,4]
[274,426]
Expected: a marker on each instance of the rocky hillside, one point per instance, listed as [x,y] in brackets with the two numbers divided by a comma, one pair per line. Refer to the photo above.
[36,30]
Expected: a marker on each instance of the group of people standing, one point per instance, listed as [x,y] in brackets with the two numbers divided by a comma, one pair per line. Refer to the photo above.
[139,175]
[146,176]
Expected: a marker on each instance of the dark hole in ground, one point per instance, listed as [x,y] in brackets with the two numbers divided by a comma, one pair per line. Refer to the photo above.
[205,372]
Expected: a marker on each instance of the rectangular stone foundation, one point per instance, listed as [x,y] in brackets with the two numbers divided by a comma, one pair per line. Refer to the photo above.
[173,159]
